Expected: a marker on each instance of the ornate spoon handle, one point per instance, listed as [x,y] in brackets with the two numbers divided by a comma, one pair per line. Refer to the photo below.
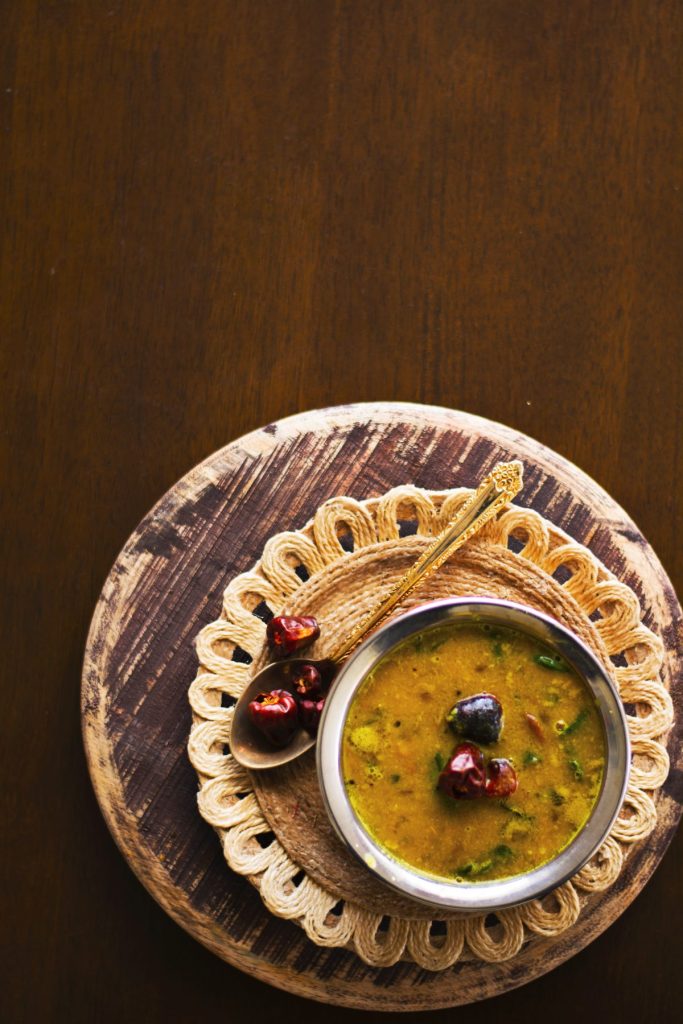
[497,489]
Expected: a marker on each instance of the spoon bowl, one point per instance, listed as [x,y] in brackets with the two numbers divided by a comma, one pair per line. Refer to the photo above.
[253,749]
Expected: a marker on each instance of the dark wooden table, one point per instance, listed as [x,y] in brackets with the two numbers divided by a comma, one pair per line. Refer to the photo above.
[217,214]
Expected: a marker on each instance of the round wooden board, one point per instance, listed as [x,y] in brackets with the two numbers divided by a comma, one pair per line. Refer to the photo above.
[167,583]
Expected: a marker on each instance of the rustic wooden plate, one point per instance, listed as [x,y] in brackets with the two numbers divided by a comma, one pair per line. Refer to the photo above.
[167,583]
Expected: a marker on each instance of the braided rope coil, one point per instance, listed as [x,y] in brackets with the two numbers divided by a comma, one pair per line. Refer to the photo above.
[227,801]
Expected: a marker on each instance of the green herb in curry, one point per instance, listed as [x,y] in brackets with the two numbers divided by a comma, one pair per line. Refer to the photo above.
[397,742]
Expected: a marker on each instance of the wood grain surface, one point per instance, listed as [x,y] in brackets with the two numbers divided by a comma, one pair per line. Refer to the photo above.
[215,215]
[167,583]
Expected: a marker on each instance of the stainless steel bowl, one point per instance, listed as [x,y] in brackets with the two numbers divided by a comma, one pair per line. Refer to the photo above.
[499,893]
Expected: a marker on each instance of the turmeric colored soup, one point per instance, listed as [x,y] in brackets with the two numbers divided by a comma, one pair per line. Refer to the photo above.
[396,740]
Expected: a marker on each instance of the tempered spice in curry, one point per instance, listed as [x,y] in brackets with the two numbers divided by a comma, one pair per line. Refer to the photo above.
[396,740]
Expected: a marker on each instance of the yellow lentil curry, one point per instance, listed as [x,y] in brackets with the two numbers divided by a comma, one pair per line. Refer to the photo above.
[397,744]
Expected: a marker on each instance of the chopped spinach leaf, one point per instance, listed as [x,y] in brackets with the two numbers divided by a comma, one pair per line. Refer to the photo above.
[576,769]
[576,724]
[552,661]
[502,852]
[395,777]
[530,758]
[439,761]
[473,868]
[516,812]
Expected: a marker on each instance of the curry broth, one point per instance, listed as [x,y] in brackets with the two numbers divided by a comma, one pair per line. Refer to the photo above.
[396,740]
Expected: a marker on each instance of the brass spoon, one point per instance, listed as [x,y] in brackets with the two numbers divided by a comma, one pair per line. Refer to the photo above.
[247,744]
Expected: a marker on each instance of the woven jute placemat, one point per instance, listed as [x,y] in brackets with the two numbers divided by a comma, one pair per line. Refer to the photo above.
[273,827]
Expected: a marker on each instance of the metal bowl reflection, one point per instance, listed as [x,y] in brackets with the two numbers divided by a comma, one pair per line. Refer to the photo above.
[483,895]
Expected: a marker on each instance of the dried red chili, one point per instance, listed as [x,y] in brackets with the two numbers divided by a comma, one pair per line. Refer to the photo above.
[502,778]
[463,776]
[309,714]
[307,682]
[275,715]
[289,633]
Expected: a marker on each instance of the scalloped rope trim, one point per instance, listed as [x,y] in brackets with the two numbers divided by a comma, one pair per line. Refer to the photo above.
[227,802]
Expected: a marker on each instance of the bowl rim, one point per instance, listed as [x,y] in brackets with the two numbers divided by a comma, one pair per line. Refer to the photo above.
[496,894]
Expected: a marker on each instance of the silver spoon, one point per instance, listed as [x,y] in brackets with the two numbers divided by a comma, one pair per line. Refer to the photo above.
[247,744]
